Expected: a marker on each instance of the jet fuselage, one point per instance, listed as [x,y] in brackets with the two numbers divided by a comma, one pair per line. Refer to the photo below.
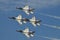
[24,19]
[26,9]
[31,32]
[20,8]
[12,18]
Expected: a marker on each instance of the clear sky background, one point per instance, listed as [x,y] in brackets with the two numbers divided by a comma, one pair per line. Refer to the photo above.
[46,10]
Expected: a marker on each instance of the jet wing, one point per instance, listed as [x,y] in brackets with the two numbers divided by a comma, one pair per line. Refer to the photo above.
[26,7]
[26,31]
[26,11]
[26,34]
[33,21]
[18,19]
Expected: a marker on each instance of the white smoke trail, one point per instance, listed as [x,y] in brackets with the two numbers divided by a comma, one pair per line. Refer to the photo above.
[57,27]
[49,38]
[56,17]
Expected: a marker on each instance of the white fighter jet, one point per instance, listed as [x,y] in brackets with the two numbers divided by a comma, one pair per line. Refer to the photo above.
[26,32]
[35,22]
[19,19]
[27,9]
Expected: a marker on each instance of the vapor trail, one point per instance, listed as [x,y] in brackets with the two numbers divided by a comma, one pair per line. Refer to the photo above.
[57,27]
[56,17]
[49,38]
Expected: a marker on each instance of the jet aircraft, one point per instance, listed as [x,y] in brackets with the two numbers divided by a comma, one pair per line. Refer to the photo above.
[19,19]
[26,9]
[26,32]
[34,21]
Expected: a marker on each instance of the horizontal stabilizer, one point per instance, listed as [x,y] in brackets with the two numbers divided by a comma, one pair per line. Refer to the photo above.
[24,21]
[31,35]
[38,24]
[31,12]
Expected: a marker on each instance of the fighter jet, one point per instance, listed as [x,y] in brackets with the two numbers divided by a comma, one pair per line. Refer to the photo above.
[35,22]
[26,32]
[19,19]
[26,9]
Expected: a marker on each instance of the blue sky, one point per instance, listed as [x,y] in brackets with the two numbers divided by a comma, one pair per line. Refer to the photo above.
[46,10]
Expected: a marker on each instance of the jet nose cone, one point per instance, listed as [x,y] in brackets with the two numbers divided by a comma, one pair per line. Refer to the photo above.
[19,30]
[19,8]
[11,17]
